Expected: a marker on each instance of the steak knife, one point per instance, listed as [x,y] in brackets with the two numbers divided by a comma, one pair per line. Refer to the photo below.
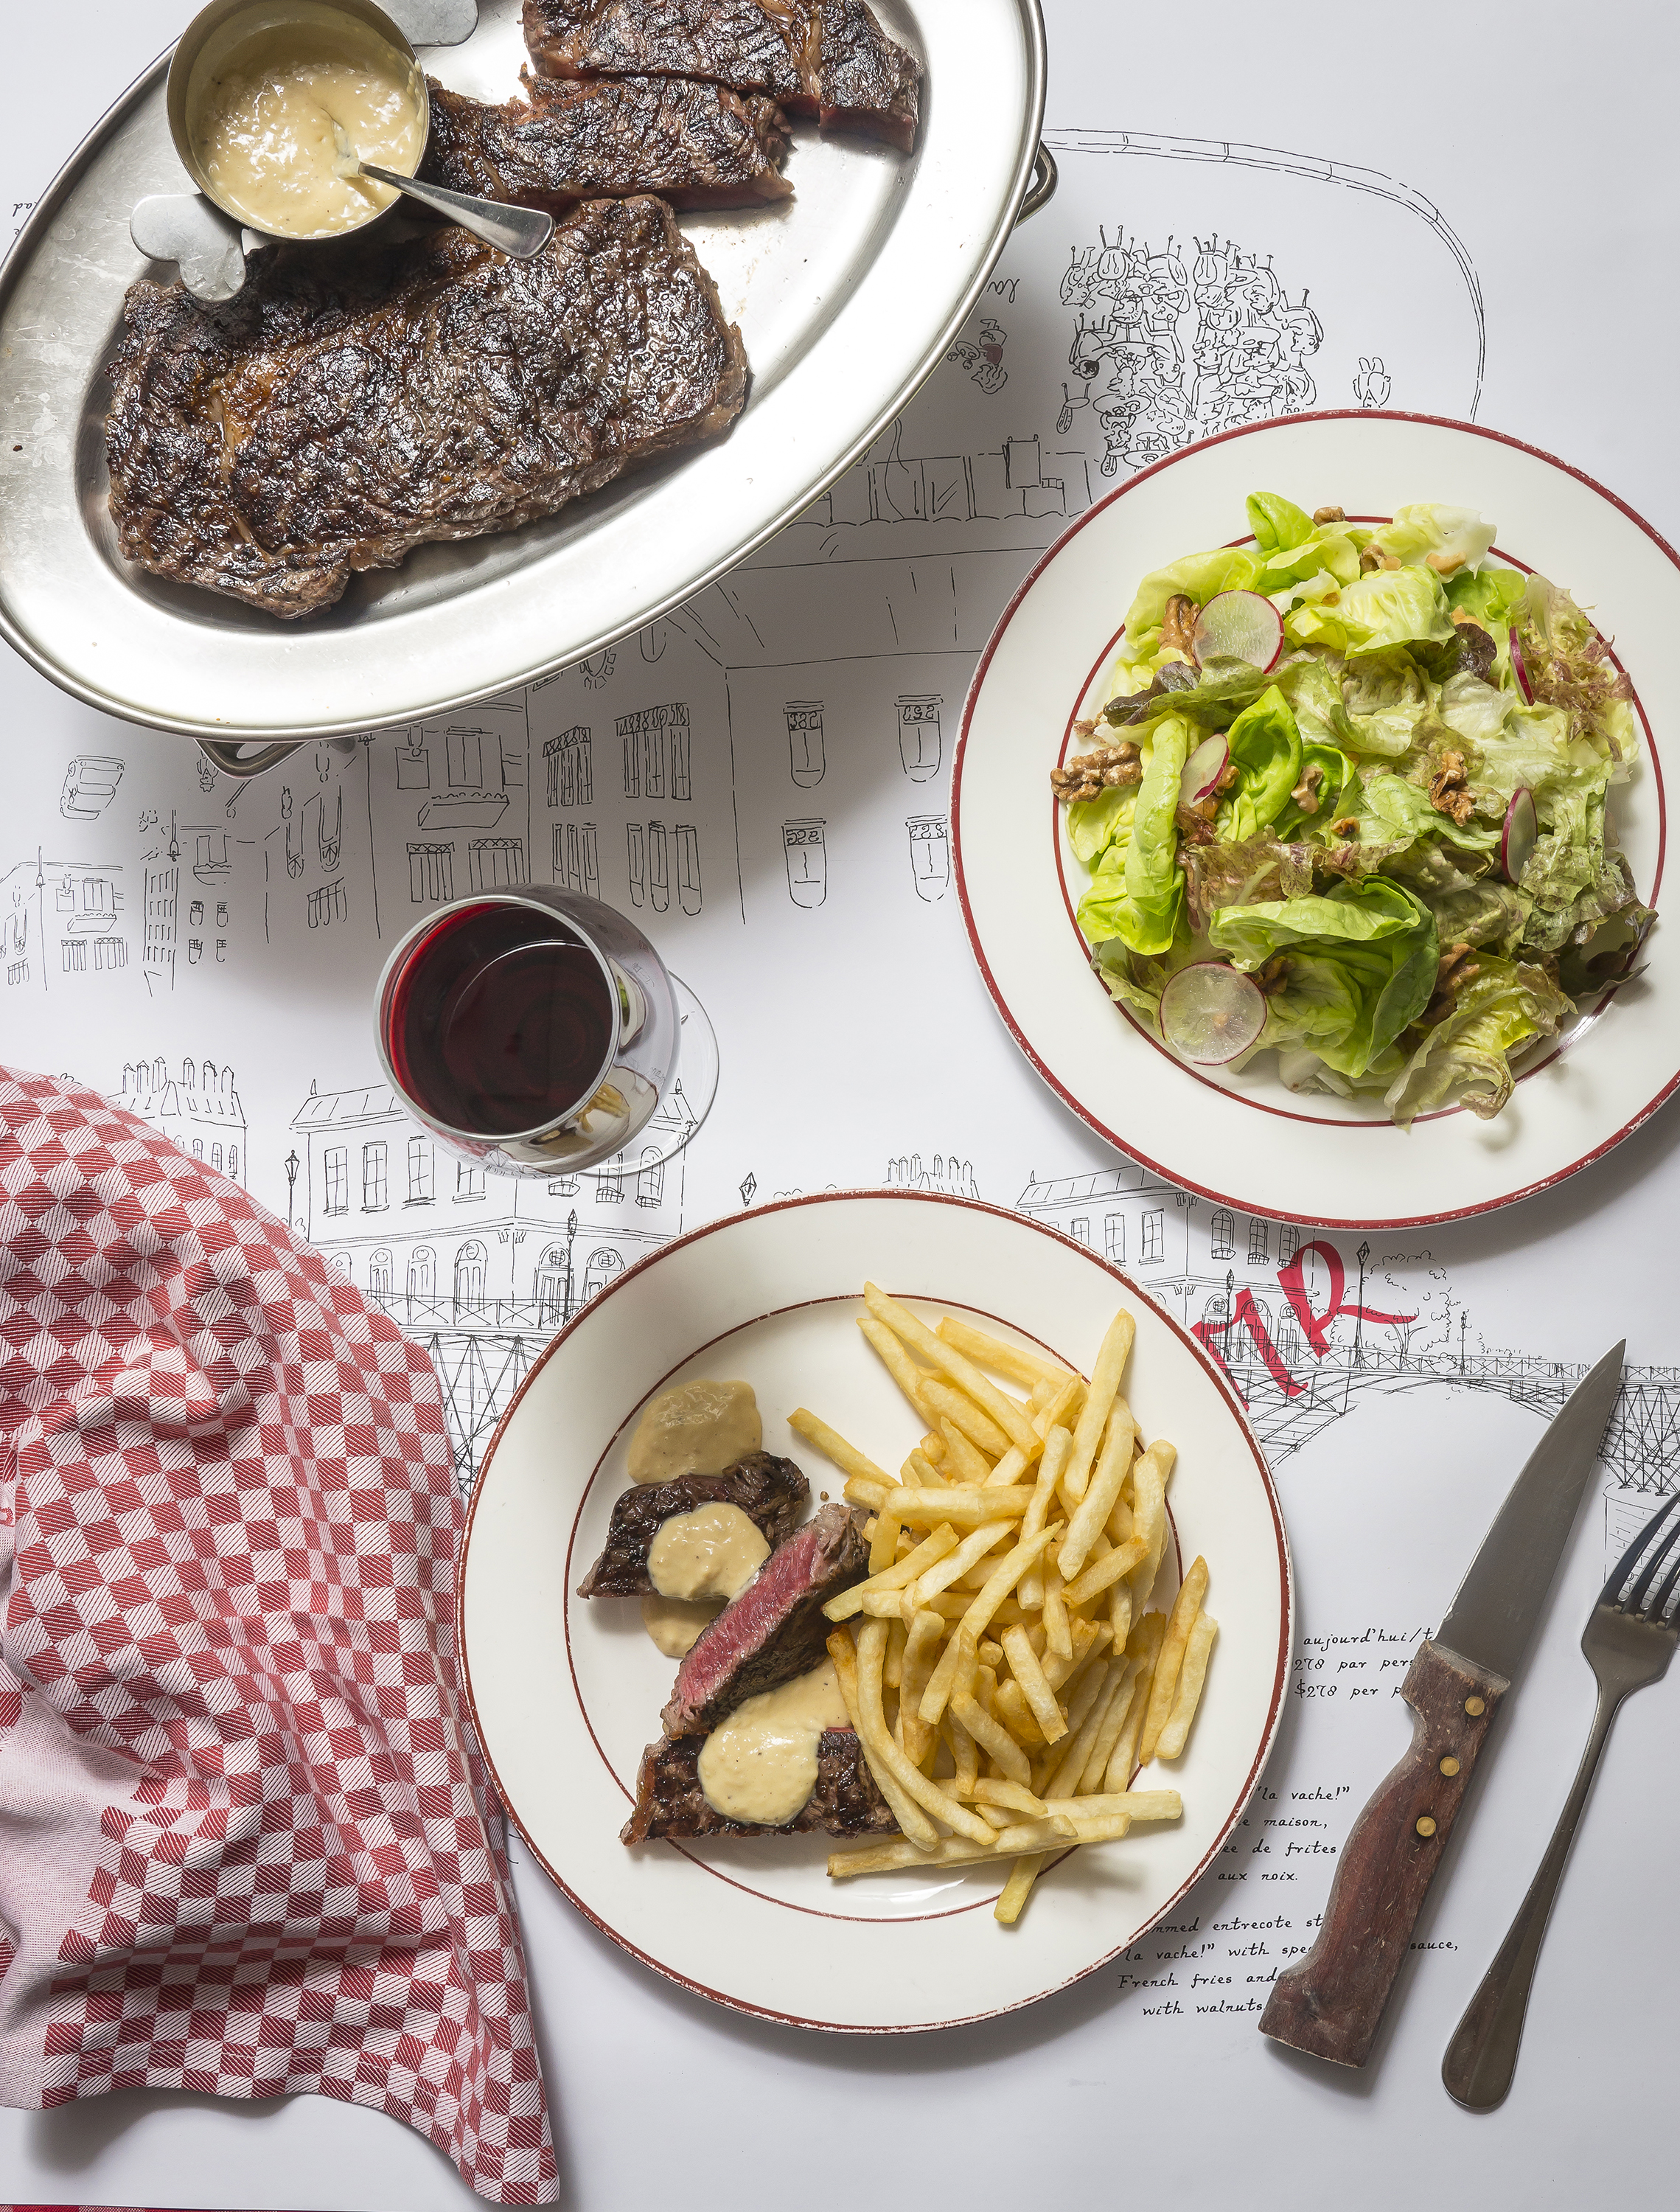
[1330,2002]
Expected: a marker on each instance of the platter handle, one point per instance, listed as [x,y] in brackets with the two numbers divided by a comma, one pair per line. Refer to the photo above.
[1042,189]
[232,757]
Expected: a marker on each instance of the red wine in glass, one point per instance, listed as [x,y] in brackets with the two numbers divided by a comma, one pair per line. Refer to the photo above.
[500,1020]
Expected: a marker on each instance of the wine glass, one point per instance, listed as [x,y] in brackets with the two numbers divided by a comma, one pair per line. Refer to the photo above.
[534,1031]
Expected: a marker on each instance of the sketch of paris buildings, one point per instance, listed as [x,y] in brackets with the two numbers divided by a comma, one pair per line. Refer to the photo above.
[807,752]
[948,1174]
[930,855]
[198,1110]
[805,849]
[59,918]
[189,882]
[1350,1330]
[90,784]
[481,1268]
[1207,284]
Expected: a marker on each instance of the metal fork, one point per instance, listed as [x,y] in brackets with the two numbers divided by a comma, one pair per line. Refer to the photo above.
[1629,1643]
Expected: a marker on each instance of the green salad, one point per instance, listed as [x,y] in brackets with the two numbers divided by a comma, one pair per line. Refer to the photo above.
[1349,803]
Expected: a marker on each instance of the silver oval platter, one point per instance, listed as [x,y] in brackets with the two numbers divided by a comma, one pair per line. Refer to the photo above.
[847,295]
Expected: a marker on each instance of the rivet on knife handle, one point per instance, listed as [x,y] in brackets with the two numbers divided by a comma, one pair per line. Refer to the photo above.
[1330,2003]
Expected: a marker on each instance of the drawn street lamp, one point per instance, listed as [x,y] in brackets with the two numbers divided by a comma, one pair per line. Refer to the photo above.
[570,1239]
[806,849]
[292,1164]
[919,744]
[930,855]
[806,758]
[1361,1255]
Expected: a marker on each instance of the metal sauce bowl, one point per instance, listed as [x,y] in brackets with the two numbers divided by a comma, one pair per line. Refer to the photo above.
[217,30]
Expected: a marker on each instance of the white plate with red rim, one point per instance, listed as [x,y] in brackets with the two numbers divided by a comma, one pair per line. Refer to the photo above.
[565,1692]
[1244,1139]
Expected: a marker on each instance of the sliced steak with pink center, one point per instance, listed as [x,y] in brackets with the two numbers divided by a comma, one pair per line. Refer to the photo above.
[775,1630]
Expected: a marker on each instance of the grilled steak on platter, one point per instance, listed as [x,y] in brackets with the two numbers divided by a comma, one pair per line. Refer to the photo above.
[772,1493]
[670,1801]
[695,144]
[829,58]
[347,407]
[775,1630]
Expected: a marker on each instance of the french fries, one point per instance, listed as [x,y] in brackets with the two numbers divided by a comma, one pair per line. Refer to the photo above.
[1002,1677]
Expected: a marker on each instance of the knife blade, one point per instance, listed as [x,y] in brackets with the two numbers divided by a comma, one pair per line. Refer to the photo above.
[1332,2002]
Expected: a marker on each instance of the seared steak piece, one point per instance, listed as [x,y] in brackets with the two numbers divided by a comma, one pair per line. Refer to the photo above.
[772,1493]
[346,407]
[829,58]
[775,1629]
[670,1801]
[696,145]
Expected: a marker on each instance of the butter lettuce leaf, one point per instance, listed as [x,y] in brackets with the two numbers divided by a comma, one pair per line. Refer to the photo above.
[1377,933]
[1140,899]
[1456,536]
[1199,576]
[1391,607]
[1095,826]
[1500,1007]
[1265,751]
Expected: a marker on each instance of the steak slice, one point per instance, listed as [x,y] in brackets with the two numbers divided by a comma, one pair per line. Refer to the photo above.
[346,407]
[829,58]
[775,1630]
[695,144]
[772,1493]
[670,1801]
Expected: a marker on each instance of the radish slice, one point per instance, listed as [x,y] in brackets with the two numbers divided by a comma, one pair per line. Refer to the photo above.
[1521,835]
[1520,668]
[1241,626]
[1200,778]
[1209,1013]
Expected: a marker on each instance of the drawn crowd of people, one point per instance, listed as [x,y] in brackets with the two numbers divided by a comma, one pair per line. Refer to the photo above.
[1164,354]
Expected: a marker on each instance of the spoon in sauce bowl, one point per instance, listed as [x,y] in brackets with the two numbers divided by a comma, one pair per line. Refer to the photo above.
[517,232]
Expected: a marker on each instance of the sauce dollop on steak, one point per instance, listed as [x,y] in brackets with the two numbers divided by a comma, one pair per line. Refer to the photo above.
[670,1801]
[772,1493]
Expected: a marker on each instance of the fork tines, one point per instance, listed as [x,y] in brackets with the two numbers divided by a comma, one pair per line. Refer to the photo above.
[1636,1600]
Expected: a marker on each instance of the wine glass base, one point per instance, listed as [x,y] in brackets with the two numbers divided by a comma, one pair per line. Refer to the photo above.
[687,1102]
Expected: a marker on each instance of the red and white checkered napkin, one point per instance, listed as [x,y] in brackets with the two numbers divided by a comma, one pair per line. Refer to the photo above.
[247,1843]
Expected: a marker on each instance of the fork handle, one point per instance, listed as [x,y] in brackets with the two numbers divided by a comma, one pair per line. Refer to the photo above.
[1330,2003]
[1482,2057]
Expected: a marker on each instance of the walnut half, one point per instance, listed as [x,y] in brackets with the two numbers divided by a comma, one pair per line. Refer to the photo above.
[1178,626]
[1088,775]
[1447,793]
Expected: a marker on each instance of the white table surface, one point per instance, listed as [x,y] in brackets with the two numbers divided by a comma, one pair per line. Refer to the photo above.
[1537,141]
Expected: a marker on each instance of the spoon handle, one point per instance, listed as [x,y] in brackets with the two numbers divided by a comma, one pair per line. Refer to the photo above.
[520,232]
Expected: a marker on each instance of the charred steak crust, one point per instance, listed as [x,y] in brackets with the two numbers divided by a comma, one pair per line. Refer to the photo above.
[775,1630]
[829,58]
[695,144]
[772,1493]
[345,409]
[670,1801]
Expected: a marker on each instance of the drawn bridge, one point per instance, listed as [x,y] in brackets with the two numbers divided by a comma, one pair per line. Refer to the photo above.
[480,1370]
[1641,1449]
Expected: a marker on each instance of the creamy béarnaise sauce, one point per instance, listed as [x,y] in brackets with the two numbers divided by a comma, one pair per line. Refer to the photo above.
[696,1563]
[713,1552]
[760,1765]
[674,1622]
[698,1428]
[263,117]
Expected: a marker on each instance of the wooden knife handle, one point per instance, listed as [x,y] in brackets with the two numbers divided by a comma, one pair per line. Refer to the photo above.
[1331,2002]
